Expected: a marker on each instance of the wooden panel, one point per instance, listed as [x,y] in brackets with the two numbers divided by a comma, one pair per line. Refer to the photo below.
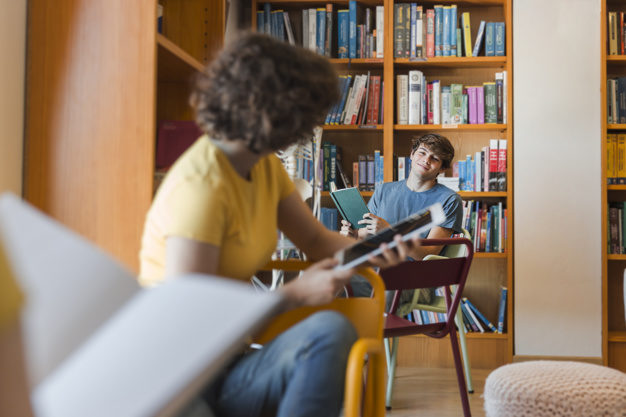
[90,117]
[197,26]
[617,355]
[485,352]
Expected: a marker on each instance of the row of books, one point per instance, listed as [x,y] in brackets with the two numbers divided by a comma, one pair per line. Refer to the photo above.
[473,319]
[423,102]
[616,158]
[617,34]
[616,100]
[361,101]
[420,33]
[616,224]
[487,171]
[486,224]
[359,32]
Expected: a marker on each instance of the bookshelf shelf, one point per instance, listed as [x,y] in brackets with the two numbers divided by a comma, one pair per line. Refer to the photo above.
[616,257]
[454,62]
[360,63]
[353,127]
[617,336]
[481,194]
[461,127]
[614,126]
[494,255]
[616,187]
[174,64]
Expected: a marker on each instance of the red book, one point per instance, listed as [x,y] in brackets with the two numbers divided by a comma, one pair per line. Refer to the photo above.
[429,103]
[376,99]
[621,32]
[173,138]
[502,165]
[430,33]
[493,165]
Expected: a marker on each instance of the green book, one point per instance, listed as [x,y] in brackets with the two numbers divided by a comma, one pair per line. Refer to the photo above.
[351,205]
[491,107]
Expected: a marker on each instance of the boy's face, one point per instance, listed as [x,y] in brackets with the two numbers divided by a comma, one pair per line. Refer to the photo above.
[425,164]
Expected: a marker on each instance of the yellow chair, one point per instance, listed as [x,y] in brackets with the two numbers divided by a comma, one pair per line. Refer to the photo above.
[362,397]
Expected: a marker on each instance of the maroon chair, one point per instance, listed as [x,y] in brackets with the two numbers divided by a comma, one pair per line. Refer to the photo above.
[426,274]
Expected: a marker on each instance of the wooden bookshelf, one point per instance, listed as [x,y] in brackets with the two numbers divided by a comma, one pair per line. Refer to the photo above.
[489,270]
[613,323]
[94,102]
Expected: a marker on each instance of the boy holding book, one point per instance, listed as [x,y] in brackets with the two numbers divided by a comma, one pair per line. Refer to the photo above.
[431,154]
[218,209]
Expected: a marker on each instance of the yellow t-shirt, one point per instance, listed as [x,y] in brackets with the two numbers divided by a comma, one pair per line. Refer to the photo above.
[205,199]
[10,295]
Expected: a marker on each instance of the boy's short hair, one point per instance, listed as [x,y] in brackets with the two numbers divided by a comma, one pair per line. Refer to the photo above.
[437,144]
[265,92]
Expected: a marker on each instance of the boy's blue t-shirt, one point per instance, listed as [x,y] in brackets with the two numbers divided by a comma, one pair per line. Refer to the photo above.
[393,201]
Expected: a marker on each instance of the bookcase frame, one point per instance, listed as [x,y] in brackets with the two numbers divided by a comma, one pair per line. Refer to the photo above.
[99,79]
[613,326]
[486,350]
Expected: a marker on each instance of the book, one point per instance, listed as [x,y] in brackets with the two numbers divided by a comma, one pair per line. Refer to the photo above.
[430,33]
[452,28]
[342,33]
[491,106]
[402,99]
[289,29]
[438,30]
[471,315]
[499,39]
[493,165]
[502,155]
[398,30]
[328,41]
[351,205]
[415,97]
[479,315]
[467,33]
[445,37]
[490,39]
[502,310]
[479,38]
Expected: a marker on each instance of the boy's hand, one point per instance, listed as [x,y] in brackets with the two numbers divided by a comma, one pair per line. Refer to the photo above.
[347,230]
[374,224]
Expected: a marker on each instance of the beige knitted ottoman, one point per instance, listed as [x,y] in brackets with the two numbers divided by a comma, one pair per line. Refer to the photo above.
[554,388]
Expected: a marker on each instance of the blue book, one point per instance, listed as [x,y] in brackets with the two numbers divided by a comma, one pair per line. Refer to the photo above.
[342,103]
[453,27]
[461,175]
[438,30]
[333,164]
[499,43]
[480,315]
[488,228]
[412,44]
[469,175]
[280,25]
[321,31]
[502,309]
[342,33]
[490,32]
[352,29]
[267,11]
[467,317]
[445,36]
[333,109]
[260,21]
[479,38]
[378,169]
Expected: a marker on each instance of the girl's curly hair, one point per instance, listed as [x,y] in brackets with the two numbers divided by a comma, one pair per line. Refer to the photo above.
[265,92]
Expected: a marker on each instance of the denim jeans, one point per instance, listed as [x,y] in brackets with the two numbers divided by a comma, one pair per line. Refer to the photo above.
[299,373]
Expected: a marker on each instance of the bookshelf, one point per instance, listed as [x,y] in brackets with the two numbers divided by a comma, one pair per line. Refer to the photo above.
[489,270]
[613,323]
[96,93]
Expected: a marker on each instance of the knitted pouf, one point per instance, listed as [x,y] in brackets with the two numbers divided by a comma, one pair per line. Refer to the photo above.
[553,388]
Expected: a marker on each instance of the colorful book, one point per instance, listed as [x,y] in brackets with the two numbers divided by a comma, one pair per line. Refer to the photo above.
[479,38]
[472,316]
[467,33]
[352,16]
[453,25]
[499,39]
[502,155]
[491,106]
[445,37]
[438,30]
[342,33]
[480,315]
[502,310]
[490,39]
[430,33]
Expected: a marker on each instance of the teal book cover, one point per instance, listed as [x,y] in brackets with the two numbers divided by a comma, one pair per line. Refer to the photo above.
[351,205]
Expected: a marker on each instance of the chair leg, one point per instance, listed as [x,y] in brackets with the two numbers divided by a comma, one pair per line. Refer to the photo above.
[459,372]
[466,363]
[391,369]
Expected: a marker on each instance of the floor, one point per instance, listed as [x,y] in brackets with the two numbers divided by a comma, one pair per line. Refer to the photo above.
[433,392]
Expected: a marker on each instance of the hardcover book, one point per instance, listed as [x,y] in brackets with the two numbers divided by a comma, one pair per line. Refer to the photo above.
[351,205]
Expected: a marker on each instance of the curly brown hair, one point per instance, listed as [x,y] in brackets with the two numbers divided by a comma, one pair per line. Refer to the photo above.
[437,144]
[265,92]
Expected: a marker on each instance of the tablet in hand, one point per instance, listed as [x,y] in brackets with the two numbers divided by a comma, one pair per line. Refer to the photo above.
[357,254]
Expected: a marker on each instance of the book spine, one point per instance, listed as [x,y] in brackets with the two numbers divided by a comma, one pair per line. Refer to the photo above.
[328,42]
[260,21]
[380,31]
[289,29]
[406,21]
[502,164]
[401,169]
[398,30]
[612,33]
[472,105]
[332,177]
[419,32]
[480,105]
[452,30]
[438,30]
[499,42]
[502,309]
[267,11]
[415,97]
[376,101]
[305,28]
[430,33]
[445,105]
[499,97]
[370,172]
[320,32]
[378,169]
[467,34]
[342,33]
[479,38]
[362,173]
[445,36]
[473,317]
[413,43]
[493,165]
[326,169]
[490,39]
[491,107]
[402,97]
[355,174]
[352,51]
[505,97]
[436,102]
[480,315]
[313,30]
[456,116]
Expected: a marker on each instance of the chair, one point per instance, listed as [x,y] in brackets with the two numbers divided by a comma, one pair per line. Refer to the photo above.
[438,305]
[439,272]
[366,314]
